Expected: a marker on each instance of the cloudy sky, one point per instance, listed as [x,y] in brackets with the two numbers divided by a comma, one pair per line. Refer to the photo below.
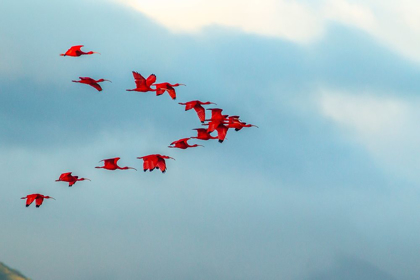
[328,186]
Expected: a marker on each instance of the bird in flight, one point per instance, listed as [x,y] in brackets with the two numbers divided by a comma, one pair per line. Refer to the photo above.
[162,87]
[237,124]
[143,84]
[67,177]
[197,106]
[76,51]
[39,198]
[91,82]
[216,119]
[151,162]
[203,134]
[111,164]
[183,144]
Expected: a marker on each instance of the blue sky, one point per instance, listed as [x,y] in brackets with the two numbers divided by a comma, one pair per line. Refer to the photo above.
[325,188]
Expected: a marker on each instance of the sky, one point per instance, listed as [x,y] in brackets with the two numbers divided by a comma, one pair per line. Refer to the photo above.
[327,186]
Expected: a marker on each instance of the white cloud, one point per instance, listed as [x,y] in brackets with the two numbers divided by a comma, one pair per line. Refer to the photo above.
[395,23]
[386,127]
[287,19]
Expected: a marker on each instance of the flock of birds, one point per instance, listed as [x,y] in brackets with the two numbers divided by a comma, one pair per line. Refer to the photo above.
[217,122]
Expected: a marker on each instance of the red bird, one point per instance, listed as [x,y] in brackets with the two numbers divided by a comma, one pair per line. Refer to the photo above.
[91,82]
[162,87]
[203,134]
[142,84]
[67,177]
[76,51]
[238,125]
[111,164]
[151,162]
[39,198]
[183,144]
[196,105]
[220,127]
[216,119]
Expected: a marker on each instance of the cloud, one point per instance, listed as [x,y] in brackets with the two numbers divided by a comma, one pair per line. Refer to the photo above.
[385,126]
[395,24]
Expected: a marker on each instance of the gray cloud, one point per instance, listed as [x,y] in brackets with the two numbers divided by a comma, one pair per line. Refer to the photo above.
[281,200]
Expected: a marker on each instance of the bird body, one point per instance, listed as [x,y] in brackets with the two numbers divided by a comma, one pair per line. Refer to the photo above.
[183,144]
[91,82]
[111,164]
[162,87]
[197,106]
[142,84]
[150,162]
[38,198]
[203,134]
[67,177]
[76,51]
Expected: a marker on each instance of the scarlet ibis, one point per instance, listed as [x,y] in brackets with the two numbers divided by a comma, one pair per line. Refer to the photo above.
[196,105]
[39,198]
[203,134]
[142,84]
[91,82]
[220,127]
[76,51]
[216,119]
[151,162]
[111,164]
[162,87]
[238,125]
[67,177]
[183,144]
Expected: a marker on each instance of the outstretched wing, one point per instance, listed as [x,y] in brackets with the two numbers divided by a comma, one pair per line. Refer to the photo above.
[139,79]
[150,80]
[200,112]
[76,48]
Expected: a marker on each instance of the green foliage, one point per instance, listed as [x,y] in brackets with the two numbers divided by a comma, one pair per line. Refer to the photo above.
[7,273]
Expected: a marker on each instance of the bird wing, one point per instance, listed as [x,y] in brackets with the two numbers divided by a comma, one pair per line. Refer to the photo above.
[180,140]
[114,160]
[139,79]
[39,201]
[216,113]
[221,132]
[30,199]
[171,92]
[86,79]
[66,176]
[150,80]
[76,48]
[96,86]
[159,91]
[161,164]
[110,160]
[200,112]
